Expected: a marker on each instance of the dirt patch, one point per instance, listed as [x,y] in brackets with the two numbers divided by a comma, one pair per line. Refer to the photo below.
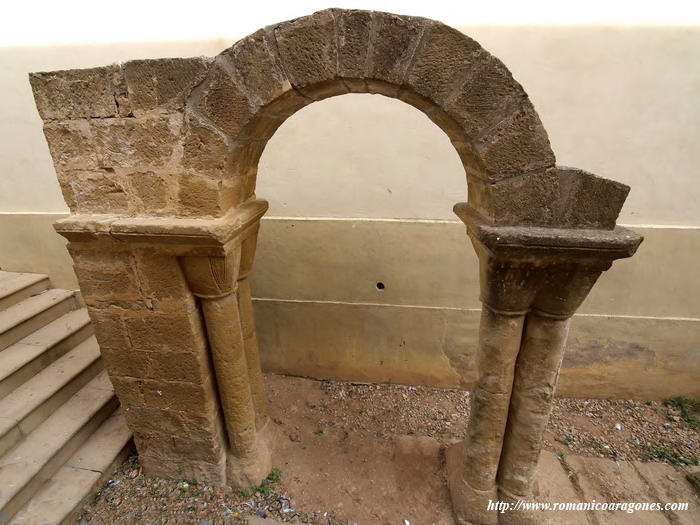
[373,454]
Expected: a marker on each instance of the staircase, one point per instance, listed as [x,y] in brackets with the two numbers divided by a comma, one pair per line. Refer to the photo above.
[61,433]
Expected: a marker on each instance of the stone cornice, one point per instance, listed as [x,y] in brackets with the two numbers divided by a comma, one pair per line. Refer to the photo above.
[179,236]
[549,244]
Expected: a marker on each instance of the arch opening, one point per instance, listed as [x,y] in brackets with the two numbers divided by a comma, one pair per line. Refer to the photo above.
[362,156]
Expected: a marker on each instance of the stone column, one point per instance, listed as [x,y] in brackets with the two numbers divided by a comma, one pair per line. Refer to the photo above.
[213,280]
[250,340]
[507,290]
[537,372]
[532,282]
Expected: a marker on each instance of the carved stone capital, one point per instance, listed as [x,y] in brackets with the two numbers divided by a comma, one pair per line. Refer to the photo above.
[549,269]
[248,245]
[211,277]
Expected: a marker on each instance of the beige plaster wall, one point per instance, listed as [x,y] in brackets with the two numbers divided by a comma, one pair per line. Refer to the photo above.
[361,190]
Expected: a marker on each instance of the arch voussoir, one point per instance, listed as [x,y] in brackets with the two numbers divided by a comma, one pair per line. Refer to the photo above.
[393,43]
[516,146]
[224,102]
[353,30]
[487,95]
[441,63]
[308,51]
[253,61]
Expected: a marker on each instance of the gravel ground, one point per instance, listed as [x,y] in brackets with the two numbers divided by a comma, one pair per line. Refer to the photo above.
[624,430]
[620,429]
[131,498]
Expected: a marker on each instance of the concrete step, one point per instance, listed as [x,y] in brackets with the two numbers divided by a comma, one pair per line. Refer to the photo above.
[27,316]
[40,455]
[26,358]
[15,287]
[60,499]
[26,407]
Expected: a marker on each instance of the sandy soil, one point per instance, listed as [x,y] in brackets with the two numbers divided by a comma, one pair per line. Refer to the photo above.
[374,454]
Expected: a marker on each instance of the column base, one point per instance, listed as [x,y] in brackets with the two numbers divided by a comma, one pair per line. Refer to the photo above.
[469,505]
[521,517]
[210,472]
[251,470]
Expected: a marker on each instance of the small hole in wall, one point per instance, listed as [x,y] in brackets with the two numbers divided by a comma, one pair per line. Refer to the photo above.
[380,286]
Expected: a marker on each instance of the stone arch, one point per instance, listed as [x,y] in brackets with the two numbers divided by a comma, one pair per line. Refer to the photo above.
[253,86]
[157,160]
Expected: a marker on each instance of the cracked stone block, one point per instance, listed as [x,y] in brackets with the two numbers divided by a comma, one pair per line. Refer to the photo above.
[76,93]
[162,84]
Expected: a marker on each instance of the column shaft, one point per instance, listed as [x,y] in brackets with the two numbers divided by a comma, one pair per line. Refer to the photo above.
[499,342]
[537,371]
[228,354]
[252,354]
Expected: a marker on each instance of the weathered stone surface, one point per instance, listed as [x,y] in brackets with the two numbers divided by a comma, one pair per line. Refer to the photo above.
[205,151]
[70,144]
[488,95]
[181,396]
[393,43]
[161,279]
[76,93]
[199,196]
[109,328]
[669,484]
[354,29]
[173,422]
[589,201]
[528,200]
[136,143]
[307,47]
[164,436]
[105,276]
[537,371]
[151,193]
[224,102]
[128,392]
[557,197]
[499,342]
[442,61]
[566,286]
[235,192]
[161,332]
[181,367]
[164,446]
[162,84]
[600,477]
[469,504]
[516,146]
[252,60]
[96,191]
[177,395]
[245,158]
[507,285]
[213,473]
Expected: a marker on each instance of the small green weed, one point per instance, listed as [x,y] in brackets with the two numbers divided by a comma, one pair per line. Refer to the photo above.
[667,454]
[688,407]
